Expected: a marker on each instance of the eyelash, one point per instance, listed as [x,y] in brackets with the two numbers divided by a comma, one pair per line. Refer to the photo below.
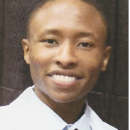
[49,41]
[85,44]
[82,45]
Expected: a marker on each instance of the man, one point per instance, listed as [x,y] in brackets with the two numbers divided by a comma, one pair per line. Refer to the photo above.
[66,50]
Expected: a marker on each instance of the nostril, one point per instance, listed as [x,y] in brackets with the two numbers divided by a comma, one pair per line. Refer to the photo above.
[64,64]
[72,64]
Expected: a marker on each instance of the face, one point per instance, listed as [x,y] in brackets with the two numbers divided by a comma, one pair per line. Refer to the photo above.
[66,50]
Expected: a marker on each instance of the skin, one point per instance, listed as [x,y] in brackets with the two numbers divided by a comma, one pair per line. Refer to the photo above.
[69,43]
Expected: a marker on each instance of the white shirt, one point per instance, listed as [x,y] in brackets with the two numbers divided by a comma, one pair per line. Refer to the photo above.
[28,112]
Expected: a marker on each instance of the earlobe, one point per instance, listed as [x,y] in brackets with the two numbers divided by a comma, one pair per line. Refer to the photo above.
[25,44]
[106,58]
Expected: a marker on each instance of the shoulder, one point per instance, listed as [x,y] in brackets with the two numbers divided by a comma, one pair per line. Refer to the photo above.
[96,122]
[12,115]
[19,104]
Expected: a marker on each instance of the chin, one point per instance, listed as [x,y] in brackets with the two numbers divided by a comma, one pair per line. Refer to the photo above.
[66,99]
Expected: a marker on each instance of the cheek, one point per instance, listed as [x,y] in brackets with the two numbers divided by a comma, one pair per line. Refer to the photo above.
[37,63]
[92,61]
[40,57]
[91,68]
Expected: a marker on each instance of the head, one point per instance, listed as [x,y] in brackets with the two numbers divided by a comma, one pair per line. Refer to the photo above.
[66,49]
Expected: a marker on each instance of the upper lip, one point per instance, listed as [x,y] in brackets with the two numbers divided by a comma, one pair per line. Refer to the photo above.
[65,73]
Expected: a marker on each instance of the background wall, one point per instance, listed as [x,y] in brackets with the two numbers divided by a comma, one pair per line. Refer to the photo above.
[110,96]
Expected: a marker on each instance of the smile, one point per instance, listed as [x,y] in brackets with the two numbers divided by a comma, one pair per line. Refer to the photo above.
[65,79]
[62,78]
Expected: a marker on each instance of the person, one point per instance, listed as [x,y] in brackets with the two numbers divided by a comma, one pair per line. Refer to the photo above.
[66,49]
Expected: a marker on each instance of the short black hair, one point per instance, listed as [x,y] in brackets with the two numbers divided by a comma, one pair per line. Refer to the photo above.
[41,3]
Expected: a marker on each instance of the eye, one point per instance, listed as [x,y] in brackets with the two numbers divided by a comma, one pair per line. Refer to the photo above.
[85,46]
[50,41]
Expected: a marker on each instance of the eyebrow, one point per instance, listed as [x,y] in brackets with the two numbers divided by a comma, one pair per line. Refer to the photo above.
[58,32]
[50,31]
[86,34]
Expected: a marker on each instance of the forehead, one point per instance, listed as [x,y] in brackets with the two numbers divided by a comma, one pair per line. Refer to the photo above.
[66,7]
[67,13]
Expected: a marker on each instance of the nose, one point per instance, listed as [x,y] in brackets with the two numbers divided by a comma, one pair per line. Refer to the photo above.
[66,56]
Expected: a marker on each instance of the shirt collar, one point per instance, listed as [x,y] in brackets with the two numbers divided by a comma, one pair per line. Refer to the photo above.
[40,116]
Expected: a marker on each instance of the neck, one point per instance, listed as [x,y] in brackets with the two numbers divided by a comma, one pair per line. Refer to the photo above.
[69,112]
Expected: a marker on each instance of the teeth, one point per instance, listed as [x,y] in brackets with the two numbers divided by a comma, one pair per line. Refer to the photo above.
[63,78]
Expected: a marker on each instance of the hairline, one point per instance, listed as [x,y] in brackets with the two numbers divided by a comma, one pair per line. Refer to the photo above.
[42,3]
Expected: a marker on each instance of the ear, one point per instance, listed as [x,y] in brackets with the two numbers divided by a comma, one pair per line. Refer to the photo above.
[106,58]
[26,48]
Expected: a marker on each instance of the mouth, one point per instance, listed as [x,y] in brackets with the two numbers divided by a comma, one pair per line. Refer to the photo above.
[65,78]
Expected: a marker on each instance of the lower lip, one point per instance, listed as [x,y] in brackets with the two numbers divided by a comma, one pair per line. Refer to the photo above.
[64,85]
